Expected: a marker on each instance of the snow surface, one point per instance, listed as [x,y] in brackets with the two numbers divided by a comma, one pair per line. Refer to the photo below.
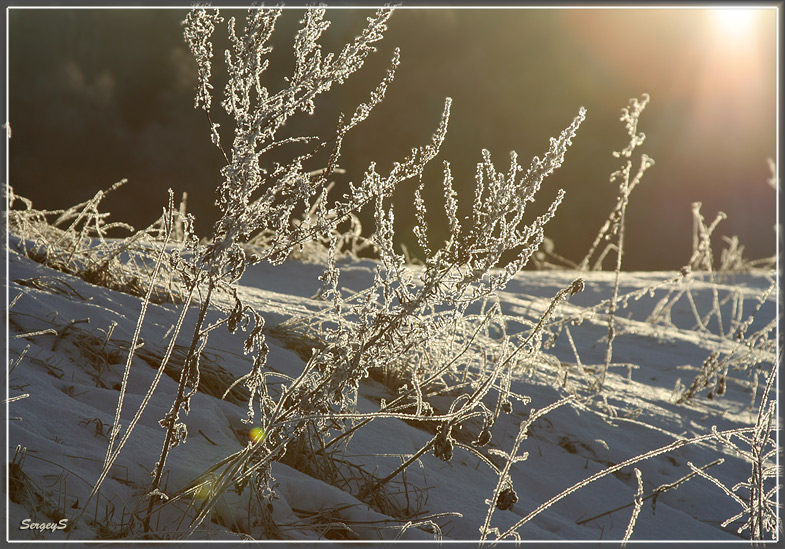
[69,403]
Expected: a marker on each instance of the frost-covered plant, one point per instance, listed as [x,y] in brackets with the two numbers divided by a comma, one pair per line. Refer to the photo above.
[759,447]
[702,258]
[614,226]
[402,324]
[388,326]
[77,241]
[749,352]
[731,258]
[253,199]
[504,495]
[397,324]
[406,307]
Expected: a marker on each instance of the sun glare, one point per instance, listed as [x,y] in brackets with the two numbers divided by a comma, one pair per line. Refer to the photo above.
[731,70]
[734,35]
[735,23]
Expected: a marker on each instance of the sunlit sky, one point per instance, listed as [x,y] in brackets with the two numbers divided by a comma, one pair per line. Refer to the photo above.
[98,95]
[710,59]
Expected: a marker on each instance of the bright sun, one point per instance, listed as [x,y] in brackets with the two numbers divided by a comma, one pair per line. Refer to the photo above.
[735,23]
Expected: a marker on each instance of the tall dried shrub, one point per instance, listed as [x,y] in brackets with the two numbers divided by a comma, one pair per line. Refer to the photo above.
[395,324]
[388,327]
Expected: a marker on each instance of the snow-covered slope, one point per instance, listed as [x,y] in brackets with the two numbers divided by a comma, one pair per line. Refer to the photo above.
[72,338]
